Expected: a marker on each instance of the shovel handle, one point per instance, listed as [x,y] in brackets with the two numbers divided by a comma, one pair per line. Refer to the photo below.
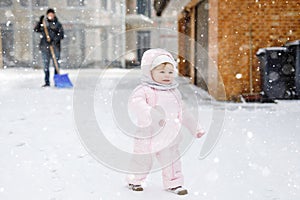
[51,47]
[54,58]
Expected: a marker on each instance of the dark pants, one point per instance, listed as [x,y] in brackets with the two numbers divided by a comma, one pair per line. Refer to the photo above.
[46,55]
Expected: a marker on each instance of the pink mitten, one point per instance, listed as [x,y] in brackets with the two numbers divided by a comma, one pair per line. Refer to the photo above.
[200,133]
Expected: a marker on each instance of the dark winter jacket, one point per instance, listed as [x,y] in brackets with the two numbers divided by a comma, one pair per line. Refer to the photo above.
[55,30]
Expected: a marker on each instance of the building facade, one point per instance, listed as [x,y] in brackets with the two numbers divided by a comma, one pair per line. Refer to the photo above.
[219,52]
[145,29]
[92,32]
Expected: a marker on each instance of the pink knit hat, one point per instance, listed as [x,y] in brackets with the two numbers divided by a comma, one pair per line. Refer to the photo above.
[153,57]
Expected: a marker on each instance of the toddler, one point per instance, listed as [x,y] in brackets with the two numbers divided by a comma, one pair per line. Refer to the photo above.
[158,94]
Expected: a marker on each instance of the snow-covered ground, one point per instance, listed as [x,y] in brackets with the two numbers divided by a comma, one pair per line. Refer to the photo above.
[42,156]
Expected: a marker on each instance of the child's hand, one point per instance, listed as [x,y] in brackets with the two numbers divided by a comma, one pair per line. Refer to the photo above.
[162,122]
[200,133]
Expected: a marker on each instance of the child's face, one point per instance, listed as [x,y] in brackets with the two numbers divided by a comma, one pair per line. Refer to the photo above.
[163,73]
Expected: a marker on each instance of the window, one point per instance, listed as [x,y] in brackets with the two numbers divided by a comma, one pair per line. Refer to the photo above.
[73,46]
[5,3]
[35,3]
[104,4]
[143,43]
[24,3]
[104,44]
[7,37]
[113,6]
[75,2]
[144,7]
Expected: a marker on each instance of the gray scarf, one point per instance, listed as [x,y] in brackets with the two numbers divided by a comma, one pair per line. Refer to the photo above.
[151,83]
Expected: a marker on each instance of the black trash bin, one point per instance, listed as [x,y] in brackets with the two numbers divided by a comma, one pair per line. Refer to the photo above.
[277,73]
[294,50]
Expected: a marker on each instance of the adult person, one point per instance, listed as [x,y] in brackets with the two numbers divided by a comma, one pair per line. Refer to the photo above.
[56,34]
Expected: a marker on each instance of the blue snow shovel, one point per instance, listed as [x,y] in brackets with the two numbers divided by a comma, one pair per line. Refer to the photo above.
[60,80]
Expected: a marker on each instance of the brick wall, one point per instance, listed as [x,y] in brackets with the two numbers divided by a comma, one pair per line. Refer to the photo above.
[269,22]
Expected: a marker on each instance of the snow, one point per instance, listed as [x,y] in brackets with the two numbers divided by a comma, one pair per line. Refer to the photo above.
[43,156]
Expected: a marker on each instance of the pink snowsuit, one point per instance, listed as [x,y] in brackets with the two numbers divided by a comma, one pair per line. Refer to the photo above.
[149,98]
